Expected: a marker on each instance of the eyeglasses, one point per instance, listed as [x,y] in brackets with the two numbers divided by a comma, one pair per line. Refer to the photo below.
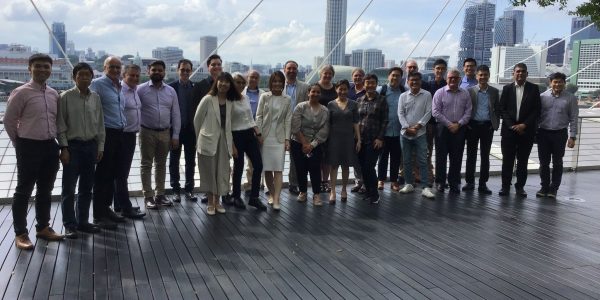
[118,67]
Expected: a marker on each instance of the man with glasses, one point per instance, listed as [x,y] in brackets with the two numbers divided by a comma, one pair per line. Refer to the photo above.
[187,136]
[452,109]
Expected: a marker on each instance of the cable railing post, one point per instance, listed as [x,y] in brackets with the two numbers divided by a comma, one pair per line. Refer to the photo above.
[575,158]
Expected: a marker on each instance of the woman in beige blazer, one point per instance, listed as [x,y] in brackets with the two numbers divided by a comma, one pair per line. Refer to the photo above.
[273,118]
[215,142]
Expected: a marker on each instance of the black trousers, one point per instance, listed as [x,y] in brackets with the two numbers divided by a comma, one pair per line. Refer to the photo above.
[517,147]
[187,139]
[368,158]
[246,143]
[106,172]
[307,165]
[124,159]
[391,149]
[479,134]
[37,164]
[449,146]
[551,146]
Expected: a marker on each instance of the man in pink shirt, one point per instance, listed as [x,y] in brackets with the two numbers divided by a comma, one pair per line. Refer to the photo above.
[30,122]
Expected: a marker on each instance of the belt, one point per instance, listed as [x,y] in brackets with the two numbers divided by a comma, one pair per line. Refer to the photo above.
[82,142]
[155,129]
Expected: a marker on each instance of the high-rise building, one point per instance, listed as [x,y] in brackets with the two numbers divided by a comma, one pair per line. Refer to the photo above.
[58,30]
[504,58]
[556,53]
[356,58]
[585,54]
[70,48]
[170,55]
[477,36]
[508,30]
[335,27]
[577,24]
[208,44]
[372,59]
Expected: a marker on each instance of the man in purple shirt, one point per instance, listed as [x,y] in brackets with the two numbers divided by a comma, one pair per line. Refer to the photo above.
[160,122]
[452,109]
[30,122]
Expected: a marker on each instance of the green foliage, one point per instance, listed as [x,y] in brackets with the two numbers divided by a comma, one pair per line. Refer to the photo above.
[590,8]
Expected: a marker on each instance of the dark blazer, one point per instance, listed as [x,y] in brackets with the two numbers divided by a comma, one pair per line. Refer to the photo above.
[529,112]
[202,88]
[494,101]
[192,105]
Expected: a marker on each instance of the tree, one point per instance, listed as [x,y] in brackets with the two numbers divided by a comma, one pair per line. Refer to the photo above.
[590,8]
[571,88]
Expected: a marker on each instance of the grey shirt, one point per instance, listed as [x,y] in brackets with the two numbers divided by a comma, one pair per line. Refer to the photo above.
[314,126]
[414,109]
[559,112]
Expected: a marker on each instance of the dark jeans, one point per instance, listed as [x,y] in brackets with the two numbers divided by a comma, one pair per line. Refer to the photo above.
[519,147]
[82,161]
[37,164]
[479,133]
[307,165]
[106,172]
[368,159]
[124,159]
[391,149]
[449,145]
[187,139]
[551,145]
[246,143]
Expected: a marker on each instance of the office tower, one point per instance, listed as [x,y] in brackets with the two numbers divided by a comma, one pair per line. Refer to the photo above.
[504,58]
[477,36]
[556,53]
[335,27]
[578,23]
[58,30]
[356,58]
[372,59]
[170,55]
[207,45]
[585,55]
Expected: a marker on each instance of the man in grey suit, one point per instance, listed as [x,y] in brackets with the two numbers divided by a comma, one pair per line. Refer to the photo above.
[485,118]
[298,91]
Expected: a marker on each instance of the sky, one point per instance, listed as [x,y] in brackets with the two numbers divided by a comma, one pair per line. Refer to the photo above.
[277,31]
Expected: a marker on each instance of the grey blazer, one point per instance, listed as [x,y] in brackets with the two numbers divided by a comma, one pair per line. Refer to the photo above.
[301,92]
[265,117]
[494,99]
[207,123]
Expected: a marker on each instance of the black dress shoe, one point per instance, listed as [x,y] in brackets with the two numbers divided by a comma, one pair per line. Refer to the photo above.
[454,190]
[255,202]
[468,187]
[552,193]
[542,193]
[238,203]
[227,200]
[114,217]
[88,228]
[189,196]
[521,192]
[504,191]
[294,190]
[440,188]
[150,203]
[106,223]
[133,214]
[374,199]
[204,199]
[483,189]
[177,197]
[163,201]
[356,188]
[71,233]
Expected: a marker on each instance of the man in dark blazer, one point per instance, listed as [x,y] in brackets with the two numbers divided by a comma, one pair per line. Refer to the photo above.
[187,106]
[485,119]
[520,108]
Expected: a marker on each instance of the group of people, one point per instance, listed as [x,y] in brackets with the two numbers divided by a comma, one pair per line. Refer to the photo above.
[92,129]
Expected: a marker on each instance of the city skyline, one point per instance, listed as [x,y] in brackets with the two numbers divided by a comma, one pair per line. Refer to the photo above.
[268,35]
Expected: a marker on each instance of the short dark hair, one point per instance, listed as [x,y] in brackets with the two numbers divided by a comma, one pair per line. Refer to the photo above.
[342,82]
[232,93]
[184,61]
[290,61]
[274,76]
[82,66]
[392,69]
[415,74]
[469,59]
[558,76]
[520,65]
[371,76]
[214,56]
[440,61]
[483,68]
[131,67]
[40,57]
[157,63]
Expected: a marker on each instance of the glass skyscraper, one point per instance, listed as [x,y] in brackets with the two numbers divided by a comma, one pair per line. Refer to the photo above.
[477,37]
[509,28]
[58,30]
[335,27]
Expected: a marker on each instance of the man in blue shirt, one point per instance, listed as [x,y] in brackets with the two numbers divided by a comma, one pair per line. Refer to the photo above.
[469,67]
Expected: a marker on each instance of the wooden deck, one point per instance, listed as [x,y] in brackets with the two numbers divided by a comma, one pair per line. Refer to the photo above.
[466,247]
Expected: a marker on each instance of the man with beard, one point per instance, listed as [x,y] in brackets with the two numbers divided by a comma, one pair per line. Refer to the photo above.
[160,122]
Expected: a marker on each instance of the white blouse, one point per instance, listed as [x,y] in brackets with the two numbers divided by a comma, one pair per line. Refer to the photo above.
[241,115]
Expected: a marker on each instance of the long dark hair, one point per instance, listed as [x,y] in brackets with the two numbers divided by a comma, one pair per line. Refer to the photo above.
[232,93]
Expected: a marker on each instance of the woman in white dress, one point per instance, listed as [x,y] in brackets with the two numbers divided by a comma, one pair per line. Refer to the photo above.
[273,118]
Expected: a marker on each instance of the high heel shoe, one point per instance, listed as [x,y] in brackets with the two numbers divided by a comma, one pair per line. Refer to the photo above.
[332,198]
[344,196]
[317,200]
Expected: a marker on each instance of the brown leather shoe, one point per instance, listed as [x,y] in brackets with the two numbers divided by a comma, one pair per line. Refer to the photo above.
[48,234]
[22,242]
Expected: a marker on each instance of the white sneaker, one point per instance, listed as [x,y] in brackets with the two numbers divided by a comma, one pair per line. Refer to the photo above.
[428,193]
[408,188]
